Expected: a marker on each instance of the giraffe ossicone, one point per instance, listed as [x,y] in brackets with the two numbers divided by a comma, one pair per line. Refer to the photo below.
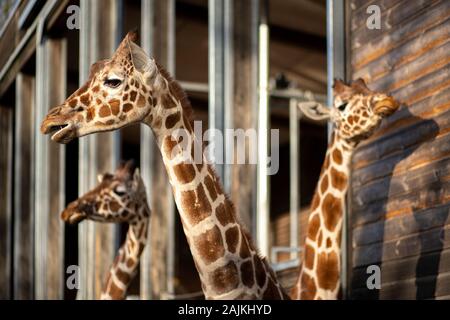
[131,87]
[118,197]
[356,113]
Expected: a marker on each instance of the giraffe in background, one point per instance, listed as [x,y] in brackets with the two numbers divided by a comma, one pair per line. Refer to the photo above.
[118,197]
[356,113]
[130,88]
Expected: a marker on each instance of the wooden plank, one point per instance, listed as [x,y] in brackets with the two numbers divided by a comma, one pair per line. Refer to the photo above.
[428,241]
[398,227]
[421,288]
[406,143]
[422,265]
[406,64]
[244,102]
[433,19]
[107,144]
[393,14]
[161,202]
[399,186]
[427,197]
[49,179]
[24,188]
[56,171]
[6,168]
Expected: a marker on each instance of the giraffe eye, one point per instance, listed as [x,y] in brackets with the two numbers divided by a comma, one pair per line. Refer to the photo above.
[342,106]
[112,83]
[120,190]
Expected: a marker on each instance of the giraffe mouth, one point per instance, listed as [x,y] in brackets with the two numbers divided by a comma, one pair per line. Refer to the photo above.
[72,217]
[61,132]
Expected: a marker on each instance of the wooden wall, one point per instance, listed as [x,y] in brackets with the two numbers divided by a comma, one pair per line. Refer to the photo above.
[400,192]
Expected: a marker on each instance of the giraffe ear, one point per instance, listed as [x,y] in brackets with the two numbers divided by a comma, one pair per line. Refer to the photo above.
[339,87]
[129,49]
[140,59]
[136,178]
[99,178]
[314,110]
[359,85]
[136,174]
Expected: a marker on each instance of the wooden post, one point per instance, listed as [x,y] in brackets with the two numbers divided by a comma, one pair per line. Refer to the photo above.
[6,145]
[51,57]
[24,188]
[245,103]
[99,153]
[158,19]
[107,36]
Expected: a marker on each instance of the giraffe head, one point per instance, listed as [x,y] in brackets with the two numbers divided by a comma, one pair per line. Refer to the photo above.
[117,93]
[357,111]
[116,198]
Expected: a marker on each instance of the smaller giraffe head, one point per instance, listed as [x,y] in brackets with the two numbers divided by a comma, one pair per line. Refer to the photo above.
[117,93]
[116,198]
[357,111]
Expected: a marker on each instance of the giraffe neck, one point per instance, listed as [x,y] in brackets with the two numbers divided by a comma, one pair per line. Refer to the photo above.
[126,262]
[226,260]
[319,276]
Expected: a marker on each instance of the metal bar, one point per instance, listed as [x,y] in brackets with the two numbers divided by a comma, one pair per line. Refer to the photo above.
[216,75]
[171,205]
[299,94]
[263,196]
[228,92]
[194,86]
[147,147]
[336,66]
[254,65]
[294,175]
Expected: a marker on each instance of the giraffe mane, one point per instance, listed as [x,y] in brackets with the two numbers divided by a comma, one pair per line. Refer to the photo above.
[179,93]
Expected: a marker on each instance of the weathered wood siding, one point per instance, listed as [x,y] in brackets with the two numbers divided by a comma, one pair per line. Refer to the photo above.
[400,188]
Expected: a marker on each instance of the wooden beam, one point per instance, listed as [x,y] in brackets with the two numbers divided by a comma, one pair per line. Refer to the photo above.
[158,21]
[49,184]
[244,103]
[6,164]
[24,188]
[98,153]
[106,39]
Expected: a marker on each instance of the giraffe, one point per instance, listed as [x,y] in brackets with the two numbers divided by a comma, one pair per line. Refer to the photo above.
[356,113]
[118,197]
[130,88]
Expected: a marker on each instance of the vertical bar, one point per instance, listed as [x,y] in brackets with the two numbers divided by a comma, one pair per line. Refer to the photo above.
[23,264]
[228,72]
[57,67]
[6,168]
[171,204]
[49,184]
[162,203]
[294,175]
[85,230]
[263,196]
[336,68]
[241,102]
[147,148]
[41,206]
[216,77]
[106,19]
